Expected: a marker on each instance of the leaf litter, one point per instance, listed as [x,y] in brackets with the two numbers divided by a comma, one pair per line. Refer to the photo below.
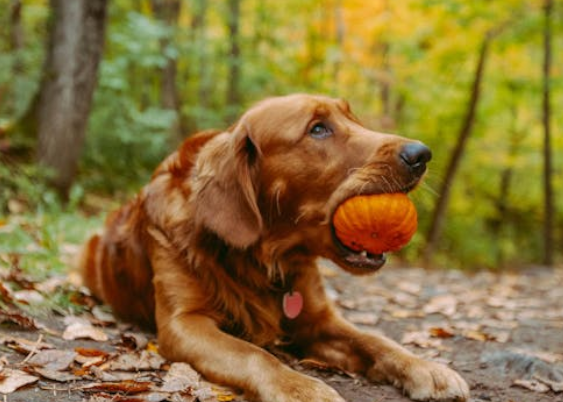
[485,324]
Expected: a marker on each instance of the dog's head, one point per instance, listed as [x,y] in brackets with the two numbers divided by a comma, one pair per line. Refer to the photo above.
[277,176]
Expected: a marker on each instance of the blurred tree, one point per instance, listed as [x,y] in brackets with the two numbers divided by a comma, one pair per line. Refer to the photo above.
[16,34]
[439,213]
[198,31]
[234,59]
[69,78]
[549,213]
[167,11]
[340,32]
[15,45]
[383,50]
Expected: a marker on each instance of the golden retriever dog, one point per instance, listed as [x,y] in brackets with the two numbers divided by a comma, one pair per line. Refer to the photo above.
[218,252]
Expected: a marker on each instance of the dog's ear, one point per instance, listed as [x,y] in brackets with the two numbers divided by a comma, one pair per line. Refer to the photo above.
[225,187]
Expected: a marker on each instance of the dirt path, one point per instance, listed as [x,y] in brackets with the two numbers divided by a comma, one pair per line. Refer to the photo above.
[502,332]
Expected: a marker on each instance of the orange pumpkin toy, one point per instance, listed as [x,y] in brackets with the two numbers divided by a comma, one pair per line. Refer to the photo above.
[376,223]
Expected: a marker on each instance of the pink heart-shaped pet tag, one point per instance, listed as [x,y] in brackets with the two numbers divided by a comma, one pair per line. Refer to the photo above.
[292,304]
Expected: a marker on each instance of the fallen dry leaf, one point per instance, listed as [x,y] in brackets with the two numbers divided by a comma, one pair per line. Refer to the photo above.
[226,397]
[102,315]
[324,366]
[17,318]
[439,332]
[152,347]
[6,295]
[55,375]
[545,356]
[477,335]
[133,341]
[421,339]
[15,379]
[363,318]
[84,330]
[413,288]
[127,386]
[88,362]
[532,385]
[405,300]
[556,386]
[24,346]
[208,392]
[180,377]
[402,313]
[90,352]
[142,360]
[116,376]
[53,359]
[502,302]
[500,336]
[475,311]
[155,396]
[51,284]
[348,304]
[443,304]
[29,296]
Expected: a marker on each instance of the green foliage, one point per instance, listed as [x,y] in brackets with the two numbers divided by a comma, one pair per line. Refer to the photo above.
[20,69]
[23,187]
[423,50]
[45,246]
[128,131]
[44,243]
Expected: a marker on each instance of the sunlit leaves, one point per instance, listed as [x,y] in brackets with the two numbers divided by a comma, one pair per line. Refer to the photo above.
[422,51]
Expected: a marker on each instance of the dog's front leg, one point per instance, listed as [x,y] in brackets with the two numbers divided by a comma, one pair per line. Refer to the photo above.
[320,332]
[228,360]
[188,332]
[339,343]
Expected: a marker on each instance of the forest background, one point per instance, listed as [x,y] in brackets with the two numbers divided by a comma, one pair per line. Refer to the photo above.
[481,82]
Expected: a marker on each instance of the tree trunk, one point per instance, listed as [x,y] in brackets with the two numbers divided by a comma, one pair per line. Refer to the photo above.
[199,38]
[549,214]
[167,11]
[68,82]
[340,32]
[16,44]
[387,120]
[16,34]
[233,86]
[438,216]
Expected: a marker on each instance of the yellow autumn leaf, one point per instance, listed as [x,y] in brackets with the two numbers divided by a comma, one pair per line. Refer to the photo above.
[152,347]
[225,397]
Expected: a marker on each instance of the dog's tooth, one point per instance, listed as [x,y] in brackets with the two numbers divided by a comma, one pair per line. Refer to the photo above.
[364,254]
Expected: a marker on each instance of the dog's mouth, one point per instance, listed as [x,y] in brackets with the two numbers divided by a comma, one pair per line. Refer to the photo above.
[358,261]
[363,262]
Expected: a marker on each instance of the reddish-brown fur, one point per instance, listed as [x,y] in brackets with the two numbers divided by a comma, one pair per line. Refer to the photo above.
[231,222]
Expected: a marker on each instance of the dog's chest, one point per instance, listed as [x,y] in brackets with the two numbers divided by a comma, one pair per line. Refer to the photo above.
[260,314]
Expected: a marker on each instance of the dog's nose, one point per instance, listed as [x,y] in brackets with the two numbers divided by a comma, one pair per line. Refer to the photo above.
[416,155]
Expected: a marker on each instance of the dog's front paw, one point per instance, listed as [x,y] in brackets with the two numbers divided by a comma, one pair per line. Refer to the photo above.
[295,387]
[425,381]
[433,381]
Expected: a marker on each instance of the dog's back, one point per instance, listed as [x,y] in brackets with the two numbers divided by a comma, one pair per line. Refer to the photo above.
[116,268]
[115,265]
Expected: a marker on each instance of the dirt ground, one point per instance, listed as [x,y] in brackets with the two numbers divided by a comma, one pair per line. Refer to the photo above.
[502,332]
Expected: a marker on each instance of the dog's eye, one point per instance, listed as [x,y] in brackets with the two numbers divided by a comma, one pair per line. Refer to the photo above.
[320,131]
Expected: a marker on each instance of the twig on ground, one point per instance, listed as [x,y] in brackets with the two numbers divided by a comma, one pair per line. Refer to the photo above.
[33,350]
